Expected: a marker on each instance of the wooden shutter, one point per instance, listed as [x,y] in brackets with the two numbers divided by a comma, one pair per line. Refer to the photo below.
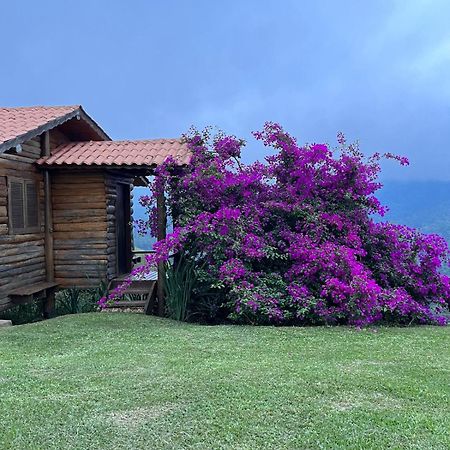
[23,201]
[32,209]
[16,206]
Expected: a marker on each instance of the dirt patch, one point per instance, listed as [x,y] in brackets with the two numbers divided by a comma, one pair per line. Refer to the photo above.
[375,401]
[138,416]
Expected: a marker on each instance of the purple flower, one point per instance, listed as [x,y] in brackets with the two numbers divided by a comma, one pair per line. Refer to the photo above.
[293,239]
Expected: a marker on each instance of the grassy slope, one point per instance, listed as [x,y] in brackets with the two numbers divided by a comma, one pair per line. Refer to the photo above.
[126,381]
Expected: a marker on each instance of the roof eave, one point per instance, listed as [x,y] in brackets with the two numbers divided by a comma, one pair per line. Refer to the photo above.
[52,166]
[94,125]
[52,124]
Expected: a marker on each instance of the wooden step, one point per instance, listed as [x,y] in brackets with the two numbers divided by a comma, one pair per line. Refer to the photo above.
[137,286]
[137,290]
[146,288]
[127,304]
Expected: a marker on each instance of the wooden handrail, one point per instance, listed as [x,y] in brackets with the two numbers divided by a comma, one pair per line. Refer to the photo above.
[146,252]
[140,252]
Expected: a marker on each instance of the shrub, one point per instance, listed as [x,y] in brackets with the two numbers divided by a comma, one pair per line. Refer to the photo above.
[75,300]
[67,301]
[26,313]
[293,240]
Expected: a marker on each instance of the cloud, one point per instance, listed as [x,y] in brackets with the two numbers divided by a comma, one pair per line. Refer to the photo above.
[433,63]
[378,71]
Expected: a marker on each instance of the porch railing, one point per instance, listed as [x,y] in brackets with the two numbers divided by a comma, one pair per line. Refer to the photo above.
[138,256]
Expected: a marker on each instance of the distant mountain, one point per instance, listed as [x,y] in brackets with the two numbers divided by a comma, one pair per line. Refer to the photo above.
[141,242]
[423,205]
[420,204]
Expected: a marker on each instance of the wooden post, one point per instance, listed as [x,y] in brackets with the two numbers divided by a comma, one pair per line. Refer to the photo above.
[49,259]
[162,224]
[49,303]
[48,240]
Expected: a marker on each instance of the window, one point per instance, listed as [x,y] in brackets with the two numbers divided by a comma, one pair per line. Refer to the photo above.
[23,202]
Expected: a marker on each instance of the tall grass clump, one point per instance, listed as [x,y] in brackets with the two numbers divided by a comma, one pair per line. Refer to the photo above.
[180,280]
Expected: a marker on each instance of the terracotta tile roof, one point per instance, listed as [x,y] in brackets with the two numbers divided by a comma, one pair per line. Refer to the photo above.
[15,122]
[118,153]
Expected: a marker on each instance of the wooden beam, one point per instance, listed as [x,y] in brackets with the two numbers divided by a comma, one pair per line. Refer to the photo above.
[162,225]
[150,301]
[48,239]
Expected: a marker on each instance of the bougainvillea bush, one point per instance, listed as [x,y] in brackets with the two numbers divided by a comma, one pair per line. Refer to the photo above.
[296,239]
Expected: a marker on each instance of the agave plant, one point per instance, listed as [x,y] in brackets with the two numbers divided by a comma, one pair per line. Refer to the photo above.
[69,301]
[180,280]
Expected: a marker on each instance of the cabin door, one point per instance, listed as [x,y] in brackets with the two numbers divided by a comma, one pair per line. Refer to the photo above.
[123,228]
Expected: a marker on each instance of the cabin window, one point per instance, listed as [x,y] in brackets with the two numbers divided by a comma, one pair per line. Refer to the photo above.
[23,202]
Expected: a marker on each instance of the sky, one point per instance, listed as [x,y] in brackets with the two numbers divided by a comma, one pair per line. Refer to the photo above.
[378,71]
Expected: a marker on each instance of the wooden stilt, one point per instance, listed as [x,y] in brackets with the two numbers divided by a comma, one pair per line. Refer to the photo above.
[49,302]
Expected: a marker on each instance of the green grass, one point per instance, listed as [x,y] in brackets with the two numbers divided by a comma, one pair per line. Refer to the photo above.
[127,381]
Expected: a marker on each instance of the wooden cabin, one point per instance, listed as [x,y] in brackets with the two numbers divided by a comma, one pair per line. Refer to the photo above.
[65,201]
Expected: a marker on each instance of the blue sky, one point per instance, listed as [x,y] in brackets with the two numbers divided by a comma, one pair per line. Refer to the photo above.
[379,71]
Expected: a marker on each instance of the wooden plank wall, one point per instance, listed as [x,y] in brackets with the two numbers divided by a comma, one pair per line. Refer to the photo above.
[80,228]
[84,224]
[21,256]
[57,138]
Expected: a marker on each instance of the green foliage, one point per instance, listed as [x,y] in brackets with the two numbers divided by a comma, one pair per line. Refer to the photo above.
[74,300]
[69,301]
[180,281]
[207,307]
[21,314]
[98,292]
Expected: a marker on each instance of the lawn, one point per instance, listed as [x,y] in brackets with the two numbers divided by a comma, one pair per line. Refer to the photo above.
[127,381]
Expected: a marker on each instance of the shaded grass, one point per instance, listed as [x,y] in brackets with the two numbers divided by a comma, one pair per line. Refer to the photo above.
[127,381]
